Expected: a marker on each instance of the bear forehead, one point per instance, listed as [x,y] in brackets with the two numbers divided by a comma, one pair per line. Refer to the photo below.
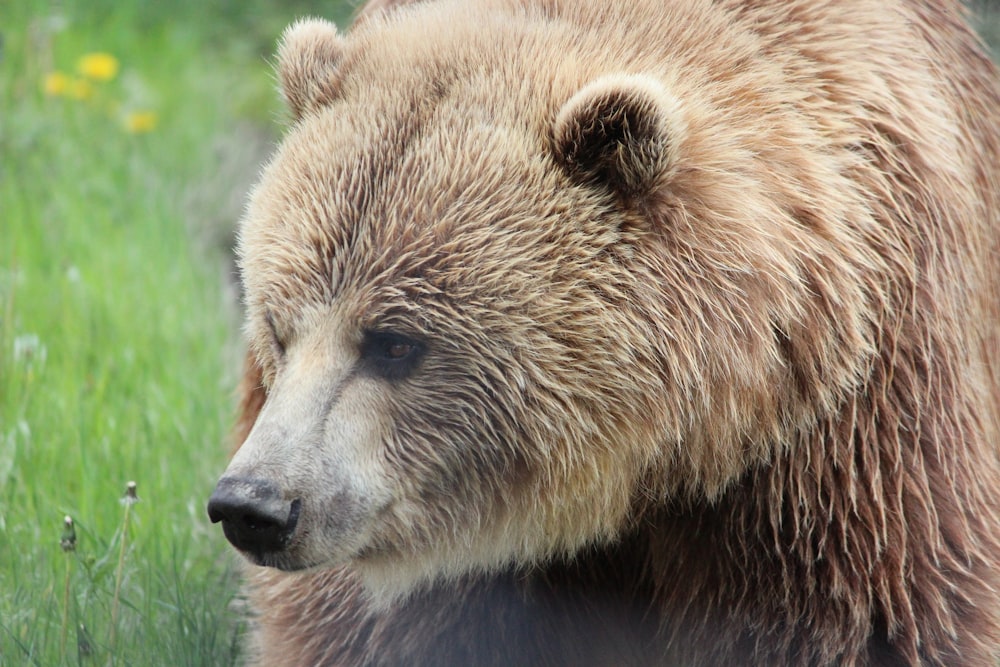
[403,179]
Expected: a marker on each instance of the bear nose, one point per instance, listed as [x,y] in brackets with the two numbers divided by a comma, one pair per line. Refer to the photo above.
[254,516]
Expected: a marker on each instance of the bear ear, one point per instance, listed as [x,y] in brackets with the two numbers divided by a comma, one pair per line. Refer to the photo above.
[620,131]
[308,57]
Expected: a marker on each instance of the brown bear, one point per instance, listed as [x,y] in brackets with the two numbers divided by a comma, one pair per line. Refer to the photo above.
[625,333]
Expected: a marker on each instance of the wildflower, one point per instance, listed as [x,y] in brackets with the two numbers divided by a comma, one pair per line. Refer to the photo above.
[29,348]
[68,544]
[80,89]
[84,645]
[139,122]
[98,66]
[68,540]
[56,84]
[130,497]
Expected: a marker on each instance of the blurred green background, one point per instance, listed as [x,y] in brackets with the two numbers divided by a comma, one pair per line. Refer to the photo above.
[986,14]
[129,135]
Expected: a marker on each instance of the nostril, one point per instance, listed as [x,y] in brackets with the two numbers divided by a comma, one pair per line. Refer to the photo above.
[253,514]
[216,510]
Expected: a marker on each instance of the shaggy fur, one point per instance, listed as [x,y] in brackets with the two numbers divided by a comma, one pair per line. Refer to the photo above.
[708,296]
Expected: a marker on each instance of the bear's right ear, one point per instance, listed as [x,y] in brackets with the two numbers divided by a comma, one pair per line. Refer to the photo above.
[308,58]
[619,131]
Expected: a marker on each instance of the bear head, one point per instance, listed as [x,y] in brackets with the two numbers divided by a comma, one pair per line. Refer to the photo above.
[497,314]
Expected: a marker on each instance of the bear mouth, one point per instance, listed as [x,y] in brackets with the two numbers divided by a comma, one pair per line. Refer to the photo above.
[282,561]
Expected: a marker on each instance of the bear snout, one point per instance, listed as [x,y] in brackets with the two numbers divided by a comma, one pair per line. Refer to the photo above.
[254,516]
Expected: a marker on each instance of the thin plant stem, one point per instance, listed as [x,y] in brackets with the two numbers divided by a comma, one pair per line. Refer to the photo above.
[65,615]
[128,500]
[68,545]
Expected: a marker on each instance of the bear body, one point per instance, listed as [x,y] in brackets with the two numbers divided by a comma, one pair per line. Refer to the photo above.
[627,333]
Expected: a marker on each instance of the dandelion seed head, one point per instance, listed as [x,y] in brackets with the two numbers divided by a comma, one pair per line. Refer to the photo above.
[130,497]
[29,348]
[68,539]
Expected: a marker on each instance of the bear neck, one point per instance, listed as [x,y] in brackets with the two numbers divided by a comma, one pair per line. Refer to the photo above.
[873,518]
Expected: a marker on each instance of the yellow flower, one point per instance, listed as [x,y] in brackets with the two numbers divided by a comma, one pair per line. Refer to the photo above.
[56,83]
[79,89]
[138,122]
[98,66]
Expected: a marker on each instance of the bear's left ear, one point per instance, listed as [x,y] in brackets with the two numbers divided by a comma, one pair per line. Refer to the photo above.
[308,57]
[620,131]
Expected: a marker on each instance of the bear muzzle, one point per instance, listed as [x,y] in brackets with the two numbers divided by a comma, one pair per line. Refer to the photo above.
[255,517]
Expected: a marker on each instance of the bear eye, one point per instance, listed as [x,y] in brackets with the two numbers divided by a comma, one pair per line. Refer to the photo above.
[389,354]
[398,350]
[276,342]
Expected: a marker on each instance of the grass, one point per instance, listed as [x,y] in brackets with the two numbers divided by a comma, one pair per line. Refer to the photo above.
[986,17]
[118,329]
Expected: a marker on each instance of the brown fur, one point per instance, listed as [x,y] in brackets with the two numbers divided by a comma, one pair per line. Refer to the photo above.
[740,371]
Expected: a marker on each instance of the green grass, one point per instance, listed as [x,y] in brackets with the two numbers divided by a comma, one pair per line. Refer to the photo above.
[118,331]
[986,14]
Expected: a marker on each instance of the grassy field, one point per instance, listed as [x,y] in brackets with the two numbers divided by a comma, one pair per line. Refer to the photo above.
[128,136]
[129,133]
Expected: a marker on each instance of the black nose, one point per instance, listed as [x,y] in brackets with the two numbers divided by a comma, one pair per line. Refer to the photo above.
[254,516]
